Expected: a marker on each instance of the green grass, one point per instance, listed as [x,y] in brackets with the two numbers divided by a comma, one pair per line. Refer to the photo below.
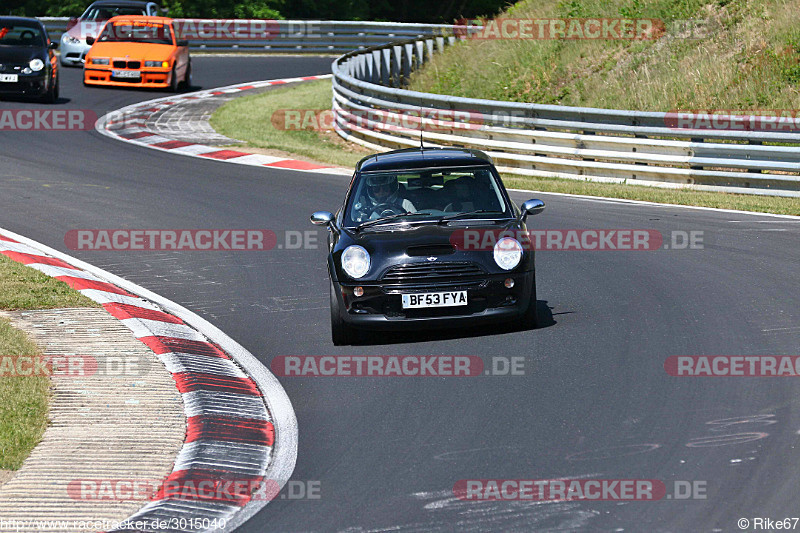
[746,57]
[23,402]
[24,399]
[25,288]
[743,202]
[258,120]
[237,119]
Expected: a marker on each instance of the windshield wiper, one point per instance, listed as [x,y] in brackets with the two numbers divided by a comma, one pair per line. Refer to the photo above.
[445,220]
[369,223]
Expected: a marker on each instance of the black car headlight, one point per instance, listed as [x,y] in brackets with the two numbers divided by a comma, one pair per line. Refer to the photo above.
[36,65]
[507,253]
[355,261]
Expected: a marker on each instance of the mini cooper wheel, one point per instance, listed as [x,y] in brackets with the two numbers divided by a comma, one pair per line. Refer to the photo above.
[51,96]
[341,332]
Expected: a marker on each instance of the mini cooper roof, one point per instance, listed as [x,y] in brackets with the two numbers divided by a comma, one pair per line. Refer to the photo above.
[414,158]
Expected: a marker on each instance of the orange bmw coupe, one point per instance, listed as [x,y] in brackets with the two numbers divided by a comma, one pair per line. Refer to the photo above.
[136,51]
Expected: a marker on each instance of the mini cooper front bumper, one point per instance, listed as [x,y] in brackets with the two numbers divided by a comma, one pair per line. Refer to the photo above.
[488,300]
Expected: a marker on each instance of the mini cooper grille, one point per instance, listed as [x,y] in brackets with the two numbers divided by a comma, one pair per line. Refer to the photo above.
[422,275]
[127,64]
[430,249]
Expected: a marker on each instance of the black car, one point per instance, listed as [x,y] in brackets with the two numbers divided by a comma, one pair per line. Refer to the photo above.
[28,65]
[428,237]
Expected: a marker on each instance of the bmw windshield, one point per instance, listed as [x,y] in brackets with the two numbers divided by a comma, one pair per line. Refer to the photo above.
[425,194]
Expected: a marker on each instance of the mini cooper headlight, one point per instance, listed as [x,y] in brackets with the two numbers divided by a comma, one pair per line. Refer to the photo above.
[162,64]
[36,65]
[355,261]
[99,61]
[507,253]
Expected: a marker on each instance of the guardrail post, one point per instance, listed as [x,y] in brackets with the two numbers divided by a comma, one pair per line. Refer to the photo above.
[397,55]
[420,45]
[386,66]
[440,44]
[408,58]
[429,48]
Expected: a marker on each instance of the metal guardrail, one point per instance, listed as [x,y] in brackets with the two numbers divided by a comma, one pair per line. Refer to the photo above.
[648,148]
[291,36]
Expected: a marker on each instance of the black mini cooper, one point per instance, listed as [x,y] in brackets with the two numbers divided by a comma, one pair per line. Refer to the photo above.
[428,237]
[28,65]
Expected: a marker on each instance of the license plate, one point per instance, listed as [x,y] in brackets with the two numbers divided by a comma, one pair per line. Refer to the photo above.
[11,78]
[126,73]
[434,299]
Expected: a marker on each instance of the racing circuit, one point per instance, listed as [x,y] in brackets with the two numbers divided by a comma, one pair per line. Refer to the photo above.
[594,401]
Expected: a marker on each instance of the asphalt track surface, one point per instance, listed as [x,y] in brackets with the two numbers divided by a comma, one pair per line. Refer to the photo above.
[595,401]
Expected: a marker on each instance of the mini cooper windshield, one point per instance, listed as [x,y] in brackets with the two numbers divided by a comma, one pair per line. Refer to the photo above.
[21,33]
[423,195]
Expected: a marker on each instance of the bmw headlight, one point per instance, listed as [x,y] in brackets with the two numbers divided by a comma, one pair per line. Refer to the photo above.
[162,64]
[355,261]
[99,61]
[36,65]
[507,253]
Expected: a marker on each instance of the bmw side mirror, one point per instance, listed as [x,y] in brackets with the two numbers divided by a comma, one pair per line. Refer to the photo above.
[89,40]
[321,218]
[531,207]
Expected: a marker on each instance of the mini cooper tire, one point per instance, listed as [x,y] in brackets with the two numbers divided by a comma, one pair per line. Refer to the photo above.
[341,332]
[51,96]
[530,318]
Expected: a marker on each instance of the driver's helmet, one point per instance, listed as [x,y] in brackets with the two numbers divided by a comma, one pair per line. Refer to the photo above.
[382,188]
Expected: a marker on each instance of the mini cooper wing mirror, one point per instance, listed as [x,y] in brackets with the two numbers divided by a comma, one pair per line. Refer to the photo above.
[531,207]
[321,218]
[53,45]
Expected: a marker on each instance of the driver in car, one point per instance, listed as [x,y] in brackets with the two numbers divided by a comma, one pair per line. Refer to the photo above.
[381,198]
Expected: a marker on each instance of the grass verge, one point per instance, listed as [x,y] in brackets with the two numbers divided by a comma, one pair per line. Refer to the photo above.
[258,120]
[742,202]
[719,54]
[24,399]
[249,119]
[25,288]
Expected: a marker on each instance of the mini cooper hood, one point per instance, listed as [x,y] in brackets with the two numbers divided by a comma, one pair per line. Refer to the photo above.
[140,51]
[20,55]
[393,239]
